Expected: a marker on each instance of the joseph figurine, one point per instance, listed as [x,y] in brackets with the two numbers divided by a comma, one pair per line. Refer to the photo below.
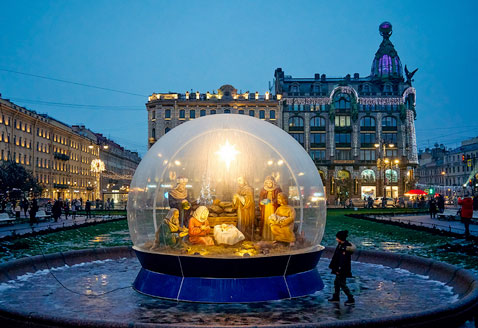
[243,200]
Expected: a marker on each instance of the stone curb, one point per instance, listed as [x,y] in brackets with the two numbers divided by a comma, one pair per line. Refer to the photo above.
[463,282]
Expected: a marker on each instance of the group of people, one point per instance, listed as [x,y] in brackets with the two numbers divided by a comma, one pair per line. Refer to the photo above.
[29,208]
[436,205]
[66,207]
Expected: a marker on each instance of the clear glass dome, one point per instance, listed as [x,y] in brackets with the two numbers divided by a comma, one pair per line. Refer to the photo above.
[224,186]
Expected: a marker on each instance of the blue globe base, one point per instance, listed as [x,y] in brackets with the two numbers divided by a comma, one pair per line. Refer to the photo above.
[227,290]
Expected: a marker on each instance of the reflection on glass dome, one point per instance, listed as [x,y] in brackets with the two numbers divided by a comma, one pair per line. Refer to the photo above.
[226,186]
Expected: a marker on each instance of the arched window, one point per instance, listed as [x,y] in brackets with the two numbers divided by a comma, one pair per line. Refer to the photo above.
[367,123]
[317,123]
[387,88]
[315,88]
[343,175]
[368,176]
[342,101]
[296,123]
[391,176]
[389,123]
[366,88]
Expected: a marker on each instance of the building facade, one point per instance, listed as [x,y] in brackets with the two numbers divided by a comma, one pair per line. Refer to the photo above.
[359,131]
[451,172]
[119,166]
[55,153]
[168,110]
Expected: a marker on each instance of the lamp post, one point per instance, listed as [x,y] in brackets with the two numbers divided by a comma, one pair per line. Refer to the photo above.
[443,173]
[382,148]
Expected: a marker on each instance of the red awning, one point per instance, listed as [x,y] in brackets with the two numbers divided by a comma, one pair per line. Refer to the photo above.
[416,192]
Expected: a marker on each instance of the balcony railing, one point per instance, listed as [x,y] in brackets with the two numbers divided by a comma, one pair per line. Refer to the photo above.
[343,145]
[60,186]
[389,128]
[317,145]
[296,128]
[317,128]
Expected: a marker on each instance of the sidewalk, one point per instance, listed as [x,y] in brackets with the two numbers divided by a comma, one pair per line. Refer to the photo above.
[22,229]
[427,222]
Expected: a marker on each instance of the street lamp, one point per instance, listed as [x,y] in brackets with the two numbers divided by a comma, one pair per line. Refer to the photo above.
[443,173]
[381,162]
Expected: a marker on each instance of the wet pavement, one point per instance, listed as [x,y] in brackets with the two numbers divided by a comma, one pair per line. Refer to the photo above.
[380,291]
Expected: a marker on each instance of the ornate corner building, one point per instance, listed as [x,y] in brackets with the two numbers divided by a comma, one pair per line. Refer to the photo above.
[360,131]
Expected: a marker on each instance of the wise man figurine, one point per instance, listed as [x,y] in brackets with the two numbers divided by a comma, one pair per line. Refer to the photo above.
[178,198]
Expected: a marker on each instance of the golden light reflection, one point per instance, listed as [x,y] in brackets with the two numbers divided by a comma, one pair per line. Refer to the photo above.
[227,153]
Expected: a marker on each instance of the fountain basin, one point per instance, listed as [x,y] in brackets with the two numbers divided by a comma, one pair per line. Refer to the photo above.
[391,289]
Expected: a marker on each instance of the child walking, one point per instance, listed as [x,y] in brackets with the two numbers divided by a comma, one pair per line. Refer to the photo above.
[341,267]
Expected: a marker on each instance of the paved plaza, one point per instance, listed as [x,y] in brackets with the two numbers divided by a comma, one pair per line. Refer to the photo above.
[21,229]
[424,220]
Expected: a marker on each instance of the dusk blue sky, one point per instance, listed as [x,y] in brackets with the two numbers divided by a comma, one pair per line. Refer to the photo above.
[143,47]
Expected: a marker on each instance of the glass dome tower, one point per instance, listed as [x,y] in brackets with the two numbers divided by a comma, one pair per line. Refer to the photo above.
[386,63]
[227,208]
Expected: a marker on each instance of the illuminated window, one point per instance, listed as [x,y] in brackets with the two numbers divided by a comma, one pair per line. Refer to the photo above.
[296,123]
[342,121]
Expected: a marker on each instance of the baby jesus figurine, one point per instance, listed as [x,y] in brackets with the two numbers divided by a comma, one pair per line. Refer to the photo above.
[282,221]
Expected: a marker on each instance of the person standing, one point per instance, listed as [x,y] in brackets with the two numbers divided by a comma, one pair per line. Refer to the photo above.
[33,211]
[24,204]
[88,209]
[73,208]
[441,203]
[66,208]
[56,210]
[432,207]
[341,266]
[466,213]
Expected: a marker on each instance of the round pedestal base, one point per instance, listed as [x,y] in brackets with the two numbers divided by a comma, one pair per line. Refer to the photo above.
[228,280]
[227,290]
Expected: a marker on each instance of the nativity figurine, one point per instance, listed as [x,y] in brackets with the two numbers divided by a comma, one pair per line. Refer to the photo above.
[282,221]
[268,205]
[169,232]
[178,198]
[199,227]
[243,201]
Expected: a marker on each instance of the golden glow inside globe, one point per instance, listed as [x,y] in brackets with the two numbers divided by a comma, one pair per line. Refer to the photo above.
[226,186]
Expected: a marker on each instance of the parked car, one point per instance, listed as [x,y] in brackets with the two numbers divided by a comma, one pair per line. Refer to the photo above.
[389,202]
[358,202]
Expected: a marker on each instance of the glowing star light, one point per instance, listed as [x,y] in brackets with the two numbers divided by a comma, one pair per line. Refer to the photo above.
[227,153]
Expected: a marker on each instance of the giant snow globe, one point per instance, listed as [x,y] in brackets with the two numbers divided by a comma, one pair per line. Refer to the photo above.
[227,208]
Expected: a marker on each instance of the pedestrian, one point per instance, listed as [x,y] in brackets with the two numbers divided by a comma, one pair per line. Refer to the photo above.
[73,208]
[66,208]
[432,207]
[24,205]
[33,210]
[112,204]
[56,210]
[18,210]
[466,213]
[370,202]
[88,209]
[441,203]
[341,266]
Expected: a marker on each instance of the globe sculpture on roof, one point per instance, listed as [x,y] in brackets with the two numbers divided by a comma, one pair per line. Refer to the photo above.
[227,208]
